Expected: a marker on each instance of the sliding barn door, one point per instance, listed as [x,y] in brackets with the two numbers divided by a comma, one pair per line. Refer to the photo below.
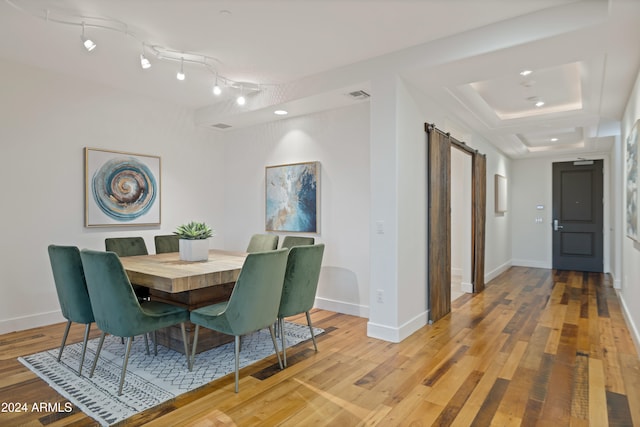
[439,222]
[479,204]
[439,226]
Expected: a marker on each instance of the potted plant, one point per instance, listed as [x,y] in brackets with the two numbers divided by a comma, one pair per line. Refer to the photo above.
[194,241]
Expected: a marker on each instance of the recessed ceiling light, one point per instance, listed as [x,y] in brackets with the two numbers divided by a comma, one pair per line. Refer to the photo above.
[280,112]
[525,72]
[539,103]
[554,139]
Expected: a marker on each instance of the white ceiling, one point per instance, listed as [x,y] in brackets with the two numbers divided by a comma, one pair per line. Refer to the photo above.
[465,55]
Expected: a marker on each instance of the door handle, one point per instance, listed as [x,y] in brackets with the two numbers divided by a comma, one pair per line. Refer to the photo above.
[556,227]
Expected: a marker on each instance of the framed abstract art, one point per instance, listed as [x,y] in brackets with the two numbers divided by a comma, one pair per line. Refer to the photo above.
[632,182]
[292,193]
[121,189]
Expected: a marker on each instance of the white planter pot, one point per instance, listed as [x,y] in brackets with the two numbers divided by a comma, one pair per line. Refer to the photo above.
[194,250]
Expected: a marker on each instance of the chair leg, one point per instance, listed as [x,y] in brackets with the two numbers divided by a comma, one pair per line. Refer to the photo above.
[146,343]
[87,329]
[186,344]
[313,337]
[284,342]
[124,364]
[237,361]
[64,338]
[95,361]
[195,344]
[275,345]
[155,342]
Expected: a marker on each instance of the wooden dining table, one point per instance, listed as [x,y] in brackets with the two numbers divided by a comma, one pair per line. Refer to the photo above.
[187,284]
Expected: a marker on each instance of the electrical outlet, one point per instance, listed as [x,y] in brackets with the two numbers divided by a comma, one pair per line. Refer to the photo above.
[380,296]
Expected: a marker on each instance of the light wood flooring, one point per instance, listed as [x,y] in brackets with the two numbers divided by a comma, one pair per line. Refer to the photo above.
[537,347]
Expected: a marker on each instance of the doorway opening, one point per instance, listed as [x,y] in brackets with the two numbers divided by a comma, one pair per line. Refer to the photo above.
[461,251]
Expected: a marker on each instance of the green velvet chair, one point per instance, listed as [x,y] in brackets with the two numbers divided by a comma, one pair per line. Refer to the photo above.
[73,296]
[116,309]
[299,289]
[253,304]
[263,242]
[129,246]
[291,241]
[167,243]
[126,246]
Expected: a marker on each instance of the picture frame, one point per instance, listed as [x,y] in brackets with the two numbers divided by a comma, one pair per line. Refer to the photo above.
[292,194]
[631,184]
[121,189]
[501,194]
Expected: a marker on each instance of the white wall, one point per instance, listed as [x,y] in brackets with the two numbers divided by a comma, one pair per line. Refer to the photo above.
[399,201]
[630,287]
[339,140]
[46,120]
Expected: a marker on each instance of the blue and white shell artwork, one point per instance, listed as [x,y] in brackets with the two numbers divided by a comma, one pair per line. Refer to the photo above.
[124,188]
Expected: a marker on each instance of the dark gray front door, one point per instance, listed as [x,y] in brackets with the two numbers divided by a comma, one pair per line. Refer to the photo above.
[577,216]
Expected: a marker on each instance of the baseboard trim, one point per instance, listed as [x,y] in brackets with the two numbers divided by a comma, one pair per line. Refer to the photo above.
[635,334]
[530,263]
[466,287]
[32,321]
[489,276]
[397,334]
[342,307]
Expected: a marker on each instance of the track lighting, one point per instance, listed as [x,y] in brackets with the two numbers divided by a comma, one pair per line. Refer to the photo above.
[158,52]
[88,43]
[180,76]
[241,100]
[216,89]
[144,62]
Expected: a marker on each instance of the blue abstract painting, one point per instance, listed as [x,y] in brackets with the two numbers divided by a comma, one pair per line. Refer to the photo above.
[632,182]
[292,197]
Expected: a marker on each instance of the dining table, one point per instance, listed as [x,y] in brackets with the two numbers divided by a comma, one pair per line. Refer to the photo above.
[189,284]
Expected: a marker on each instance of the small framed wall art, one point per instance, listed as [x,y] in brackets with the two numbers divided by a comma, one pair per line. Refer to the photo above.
[121,189]
[292,195]
[501,194]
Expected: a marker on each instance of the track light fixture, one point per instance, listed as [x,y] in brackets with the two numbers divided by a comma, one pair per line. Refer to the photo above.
[180,76]
[144,62]
[162,53]
[88,43]
[216,88]
[241,100]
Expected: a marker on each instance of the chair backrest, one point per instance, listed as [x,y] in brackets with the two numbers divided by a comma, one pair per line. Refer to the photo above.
[291,241]
[256,296]
[301,279]
[263,242]
[115,306]
[71,286]
[167,243]
[126,246]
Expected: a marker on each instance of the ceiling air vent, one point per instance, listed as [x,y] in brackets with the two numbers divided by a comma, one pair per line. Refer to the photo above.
[221,126]
[359,94]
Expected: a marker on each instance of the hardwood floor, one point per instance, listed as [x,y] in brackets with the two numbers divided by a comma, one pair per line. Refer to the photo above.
[537,347]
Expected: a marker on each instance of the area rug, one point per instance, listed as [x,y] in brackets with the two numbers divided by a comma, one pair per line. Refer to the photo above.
[150,380]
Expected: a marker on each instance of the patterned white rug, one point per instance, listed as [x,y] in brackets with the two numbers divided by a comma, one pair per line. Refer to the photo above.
[150,380]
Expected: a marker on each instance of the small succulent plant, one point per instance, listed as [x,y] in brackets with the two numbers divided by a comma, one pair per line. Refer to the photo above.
[194,231]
